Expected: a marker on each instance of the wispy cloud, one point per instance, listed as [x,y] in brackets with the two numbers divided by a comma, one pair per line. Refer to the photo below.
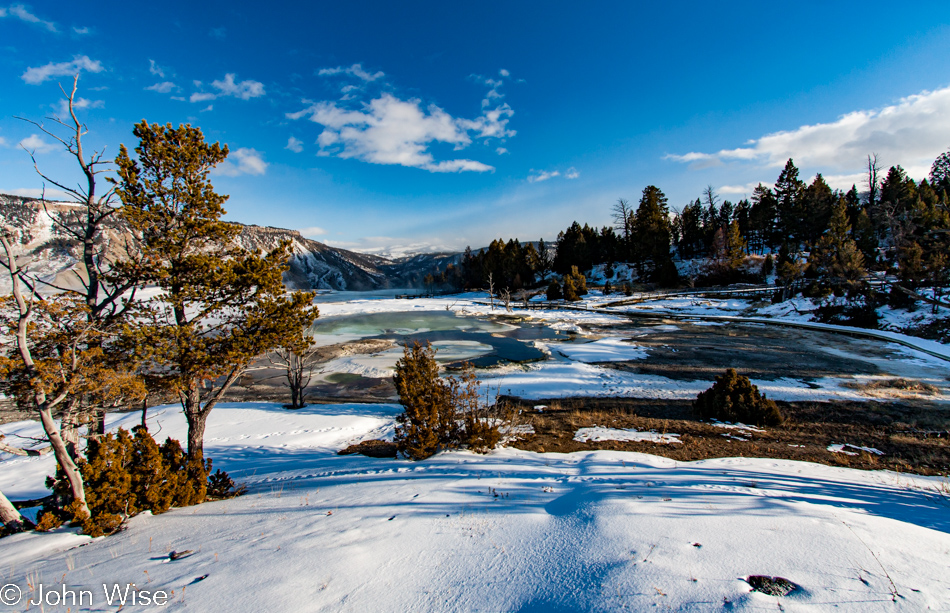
[165,87]
[156,70]
[542,175]
[501,151]
[294,145]
[912,132]
[37,192]
[244,161]
[311,231]
[244,90]
[356,70]
[3,142]
[35,76]
[537,176]
[62,106]
[219,33]
[20,12]
[741,190]
[35,144]
[82,31]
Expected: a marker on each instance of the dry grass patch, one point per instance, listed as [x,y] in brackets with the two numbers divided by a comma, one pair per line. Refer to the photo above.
[913,436]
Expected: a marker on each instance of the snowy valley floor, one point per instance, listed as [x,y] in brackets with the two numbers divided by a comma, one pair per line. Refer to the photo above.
[519,530]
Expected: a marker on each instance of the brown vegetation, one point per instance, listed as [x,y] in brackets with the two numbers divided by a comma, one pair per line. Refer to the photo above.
[912,437]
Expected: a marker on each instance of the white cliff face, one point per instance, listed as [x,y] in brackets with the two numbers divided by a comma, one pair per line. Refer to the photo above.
[49,251]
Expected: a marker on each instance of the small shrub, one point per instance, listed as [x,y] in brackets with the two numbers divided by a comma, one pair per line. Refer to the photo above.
[580,281]
[439,413]
[570,290]
[608,289]
[221,486]
[734,398]
[554,291]
[48,521]
[125,474]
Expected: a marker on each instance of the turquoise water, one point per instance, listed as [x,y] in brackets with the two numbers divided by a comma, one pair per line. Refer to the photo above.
[479,341]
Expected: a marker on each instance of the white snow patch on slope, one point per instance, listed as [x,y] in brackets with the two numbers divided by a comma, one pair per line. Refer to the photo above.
[613,434]
[603,350]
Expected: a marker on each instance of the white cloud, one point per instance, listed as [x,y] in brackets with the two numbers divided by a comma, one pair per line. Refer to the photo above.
[35,76]
[912,132]
[504,73]
[572,173]
[62,107]
[245,90]
[165,87]
[244,161]
[218,33]
[356,70]
[3,142]
[501,151]
[312,231]
[155,69]
[210,107]
[35,192]
[36,144]
[741,190]
[20,12]
[388,130]
[294,145]
[543,175]
[82,31]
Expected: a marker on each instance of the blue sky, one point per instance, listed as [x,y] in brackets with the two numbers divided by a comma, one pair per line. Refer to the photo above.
[427,125]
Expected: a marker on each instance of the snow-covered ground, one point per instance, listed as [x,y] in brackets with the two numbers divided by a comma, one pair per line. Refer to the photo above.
[509,531]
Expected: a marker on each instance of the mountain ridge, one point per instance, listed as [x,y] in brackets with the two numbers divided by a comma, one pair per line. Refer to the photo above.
[44,244]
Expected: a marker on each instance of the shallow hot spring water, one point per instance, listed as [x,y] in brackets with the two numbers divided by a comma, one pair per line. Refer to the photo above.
[456,339]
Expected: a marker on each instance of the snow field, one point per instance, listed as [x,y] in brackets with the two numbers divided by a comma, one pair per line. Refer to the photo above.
[509,531]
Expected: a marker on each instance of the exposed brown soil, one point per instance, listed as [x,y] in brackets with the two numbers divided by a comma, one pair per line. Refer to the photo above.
[913,436]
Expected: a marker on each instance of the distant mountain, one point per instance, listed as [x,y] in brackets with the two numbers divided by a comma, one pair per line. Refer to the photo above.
[314,265]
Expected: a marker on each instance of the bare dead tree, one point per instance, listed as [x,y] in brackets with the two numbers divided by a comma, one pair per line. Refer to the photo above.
[623,218]
[298,365]
[22,452]
[505,295]
[491,289]
[44,404]
[10,516]
[107,300]
[874,170]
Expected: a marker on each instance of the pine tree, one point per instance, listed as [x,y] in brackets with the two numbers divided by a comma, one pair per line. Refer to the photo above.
[762,218]
[652,235]
[220,306]
[429,421]
[789,192]
[836,259]
[940,174]
[735,246]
